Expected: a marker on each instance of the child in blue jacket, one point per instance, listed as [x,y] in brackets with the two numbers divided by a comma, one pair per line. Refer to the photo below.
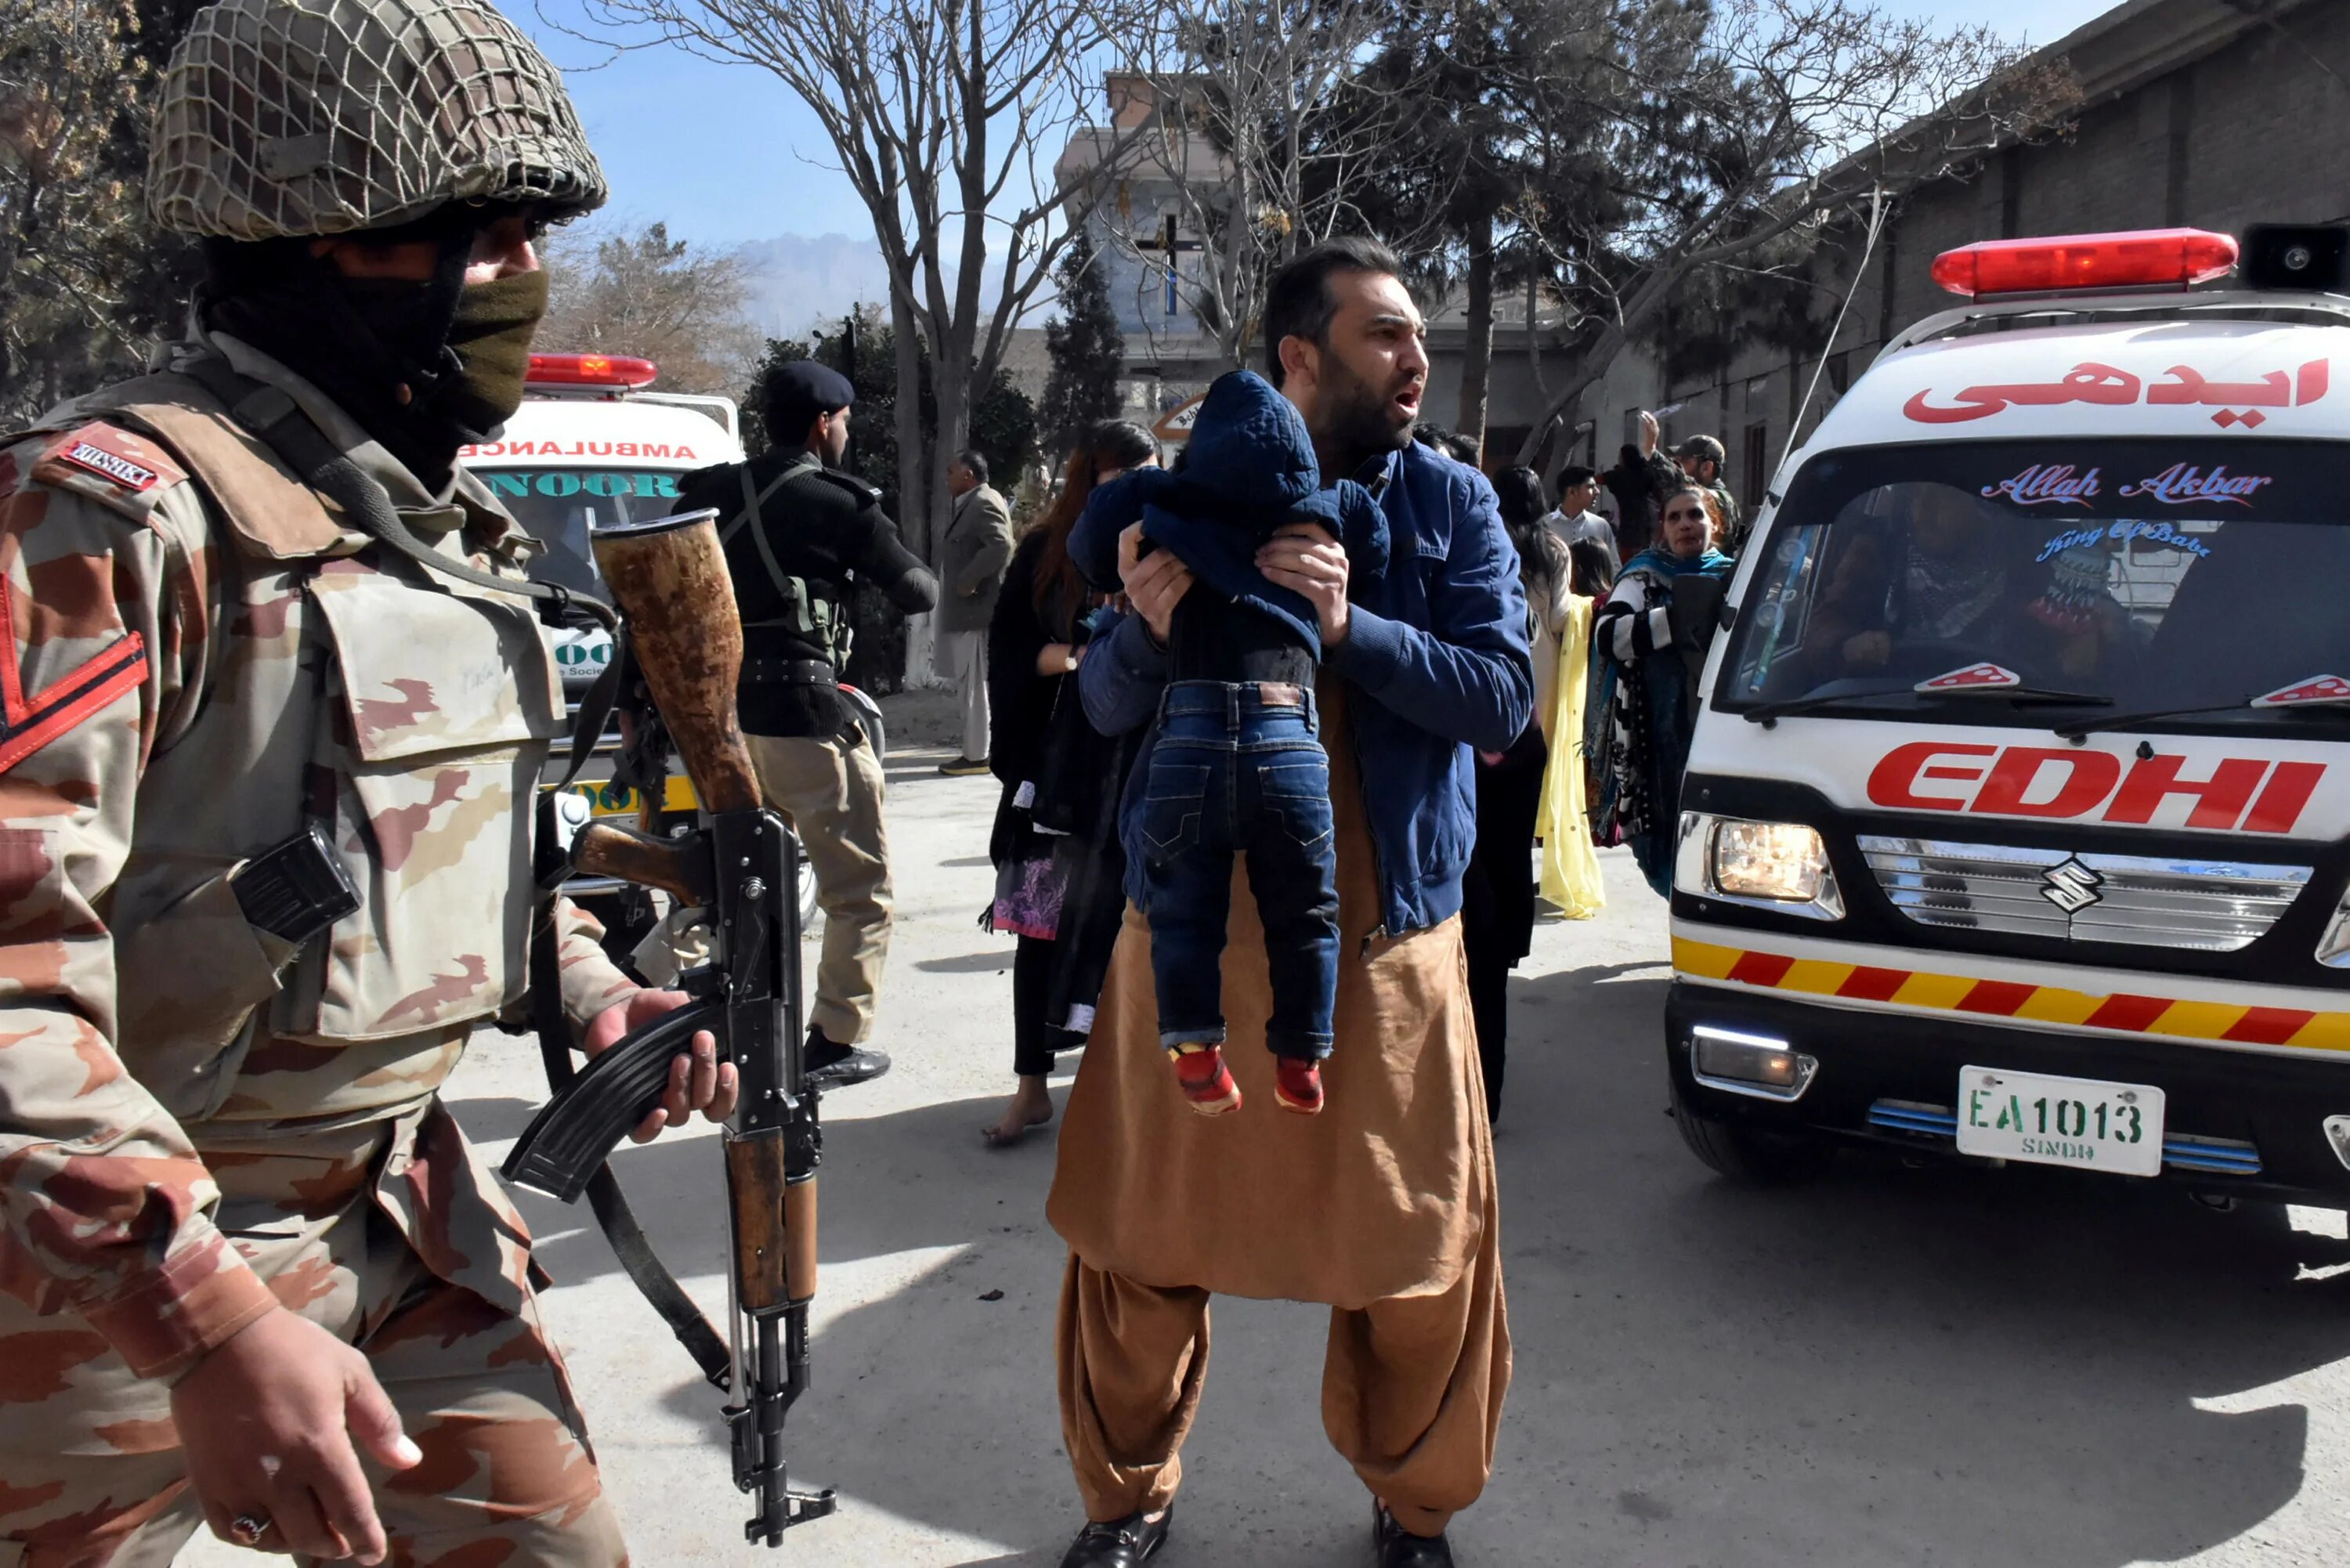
[1239,766]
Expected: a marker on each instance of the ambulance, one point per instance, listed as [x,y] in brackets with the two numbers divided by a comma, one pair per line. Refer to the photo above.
[593,445]
[2016,822]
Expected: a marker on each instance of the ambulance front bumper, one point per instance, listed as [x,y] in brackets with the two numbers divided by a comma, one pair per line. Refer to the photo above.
[2249,1123]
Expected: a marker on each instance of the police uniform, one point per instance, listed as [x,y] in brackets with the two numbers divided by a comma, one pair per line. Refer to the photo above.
[201,1119]
[799,537]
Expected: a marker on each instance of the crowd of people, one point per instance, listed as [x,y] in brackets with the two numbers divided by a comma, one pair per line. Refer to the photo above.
[260,1280]
[1175,673]
[1647,570]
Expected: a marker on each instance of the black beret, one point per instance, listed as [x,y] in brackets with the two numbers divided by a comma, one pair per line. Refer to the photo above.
[807,384]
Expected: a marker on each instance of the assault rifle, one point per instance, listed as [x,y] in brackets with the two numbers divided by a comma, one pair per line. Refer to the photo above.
[670,580]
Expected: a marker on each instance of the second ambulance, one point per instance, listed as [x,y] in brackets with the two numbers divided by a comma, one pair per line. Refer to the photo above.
[2014,824]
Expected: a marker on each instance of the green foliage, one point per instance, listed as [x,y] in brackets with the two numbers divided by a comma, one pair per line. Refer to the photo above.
[1087,350]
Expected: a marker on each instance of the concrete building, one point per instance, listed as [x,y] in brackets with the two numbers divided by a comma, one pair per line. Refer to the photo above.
[2208,113]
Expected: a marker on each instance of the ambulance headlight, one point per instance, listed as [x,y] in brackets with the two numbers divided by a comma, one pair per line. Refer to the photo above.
[1782,865]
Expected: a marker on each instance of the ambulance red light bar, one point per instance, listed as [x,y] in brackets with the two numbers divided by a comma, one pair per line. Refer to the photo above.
[2146,258]
[591,370]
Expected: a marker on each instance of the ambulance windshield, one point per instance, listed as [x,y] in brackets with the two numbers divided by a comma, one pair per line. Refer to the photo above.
[559,505]
[2153,576]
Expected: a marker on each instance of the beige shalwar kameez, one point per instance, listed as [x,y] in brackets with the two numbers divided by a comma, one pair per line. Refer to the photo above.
[1384,1206]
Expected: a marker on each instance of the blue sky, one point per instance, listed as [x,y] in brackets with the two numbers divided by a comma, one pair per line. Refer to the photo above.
[725,153]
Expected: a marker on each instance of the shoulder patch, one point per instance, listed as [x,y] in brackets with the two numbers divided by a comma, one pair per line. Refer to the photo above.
[108,463]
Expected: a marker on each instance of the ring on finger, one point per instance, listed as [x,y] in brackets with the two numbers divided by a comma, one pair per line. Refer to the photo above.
[247,1529]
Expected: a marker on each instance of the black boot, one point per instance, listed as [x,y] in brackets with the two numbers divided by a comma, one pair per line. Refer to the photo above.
[1393,1546]
[829,1066]
[1119,1542]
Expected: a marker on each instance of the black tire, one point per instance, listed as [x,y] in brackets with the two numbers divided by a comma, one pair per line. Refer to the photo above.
[1749,1156]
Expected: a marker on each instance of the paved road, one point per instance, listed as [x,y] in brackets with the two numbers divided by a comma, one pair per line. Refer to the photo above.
[1892,1366]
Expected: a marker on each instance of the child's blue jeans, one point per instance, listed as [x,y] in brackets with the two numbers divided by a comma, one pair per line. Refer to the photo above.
[1240,769]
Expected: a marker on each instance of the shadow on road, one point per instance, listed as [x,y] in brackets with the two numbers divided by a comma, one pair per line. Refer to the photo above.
[996,960]
[1889,1364]
[1886,1366]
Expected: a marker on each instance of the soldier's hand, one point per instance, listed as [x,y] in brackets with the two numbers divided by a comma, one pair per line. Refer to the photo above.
[266,1423]
[698,1080]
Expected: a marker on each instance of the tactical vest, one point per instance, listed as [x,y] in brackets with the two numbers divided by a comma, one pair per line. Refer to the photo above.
[407,715]
[813,611]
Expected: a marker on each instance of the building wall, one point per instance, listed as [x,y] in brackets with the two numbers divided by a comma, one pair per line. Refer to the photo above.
[2256,128]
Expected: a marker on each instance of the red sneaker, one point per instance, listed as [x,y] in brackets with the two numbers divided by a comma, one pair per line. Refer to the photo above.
[1206,1082]
[1297,1084]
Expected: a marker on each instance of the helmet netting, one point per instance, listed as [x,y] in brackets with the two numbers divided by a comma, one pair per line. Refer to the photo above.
[284,118]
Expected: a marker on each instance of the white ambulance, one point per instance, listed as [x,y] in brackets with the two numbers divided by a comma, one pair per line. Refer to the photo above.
[2014,822]
[592,445]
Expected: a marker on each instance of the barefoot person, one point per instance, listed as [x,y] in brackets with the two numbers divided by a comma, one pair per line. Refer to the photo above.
[1384,1207]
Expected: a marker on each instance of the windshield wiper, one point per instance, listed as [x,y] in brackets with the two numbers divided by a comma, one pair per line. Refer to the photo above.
[2336,706]
[2035,696]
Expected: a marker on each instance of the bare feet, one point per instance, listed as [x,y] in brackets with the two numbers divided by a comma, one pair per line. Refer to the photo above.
[1031,1105]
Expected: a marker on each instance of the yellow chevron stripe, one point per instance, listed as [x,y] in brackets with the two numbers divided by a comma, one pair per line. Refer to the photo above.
[2047,1004]
[1816,976]
[2054,1004]
[2198,1020]
[1704,960]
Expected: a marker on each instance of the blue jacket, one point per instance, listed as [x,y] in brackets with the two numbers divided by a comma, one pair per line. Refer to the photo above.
[1438,647]
[1248,468]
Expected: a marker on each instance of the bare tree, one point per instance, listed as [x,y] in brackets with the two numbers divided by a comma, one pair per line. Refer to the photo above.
[71,223]
[944,116]
[645,294]
[1790,113]
[1242,118]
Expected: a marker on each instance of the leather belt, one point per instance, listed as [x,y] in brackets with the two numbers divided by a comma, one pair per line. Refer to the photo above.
[789,672]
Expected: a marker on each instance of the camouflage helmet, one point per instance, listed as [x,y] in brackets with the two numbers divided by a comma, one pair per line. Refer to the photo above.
[300,118]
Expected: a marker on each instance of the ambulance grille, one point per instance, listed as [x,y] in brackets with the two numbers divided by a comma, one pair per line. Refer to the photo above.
[2203,905]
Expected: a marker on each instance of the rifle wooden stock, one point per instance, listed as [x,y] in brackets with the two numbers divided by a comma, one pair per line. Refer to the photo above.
[607,849]
[773,1226]
[670,578]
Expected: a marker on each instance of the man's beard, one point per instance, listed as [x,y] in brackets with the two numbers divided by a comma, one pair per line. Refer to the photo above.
[1359,420]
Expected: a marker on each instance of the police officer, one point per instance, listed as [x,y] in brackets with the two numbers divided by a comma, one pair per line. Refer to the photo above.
[269,740]
[799,536]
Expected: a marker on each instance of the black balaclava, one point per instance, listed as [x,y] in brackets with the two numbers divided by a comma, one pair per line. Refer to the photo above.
[459,351]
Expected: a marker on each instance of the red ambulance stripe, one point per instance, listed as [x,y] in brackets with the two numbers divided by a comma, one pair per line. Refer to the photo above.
[2135,1013]
[2000,998]
[1866,985]
[2267,1026]
[1761,968]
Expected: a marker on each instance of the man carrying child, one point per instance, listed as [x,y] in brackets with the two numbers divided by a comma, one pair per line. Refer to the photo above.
[1384,1205]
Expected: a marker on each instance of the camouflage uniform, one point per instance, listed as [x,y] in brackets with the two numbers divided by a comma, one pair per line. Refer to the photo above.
[198,1122]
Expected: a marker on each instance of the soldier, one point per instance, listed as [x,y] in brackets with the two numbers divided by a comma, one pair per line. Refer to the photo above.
[1702,457]
[268,743]
[799,534]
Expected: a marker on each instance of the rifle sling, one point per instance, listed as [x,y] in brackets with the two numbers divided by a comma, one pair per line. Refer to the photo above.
[618,1222]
